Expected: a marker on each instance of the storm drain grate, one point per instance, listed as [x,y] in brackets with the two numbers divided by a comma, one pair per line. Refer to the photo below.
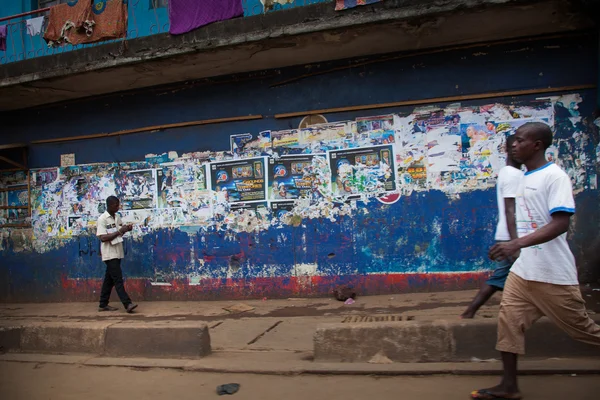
[377,318]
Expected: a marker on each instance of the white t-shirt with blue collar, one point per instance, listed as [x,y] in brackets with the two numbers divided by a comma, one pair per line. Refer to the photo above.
[541,193]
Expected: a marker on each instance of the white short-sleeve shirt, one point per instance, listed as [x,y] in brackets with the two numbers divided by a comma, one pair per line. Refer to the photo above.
[107,224]
[507,185]
[543,192]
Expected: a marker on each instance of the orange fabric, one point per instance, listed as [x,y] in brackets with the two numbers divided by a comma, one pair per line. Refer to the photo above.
[65,21]
[87,21]
[111,23]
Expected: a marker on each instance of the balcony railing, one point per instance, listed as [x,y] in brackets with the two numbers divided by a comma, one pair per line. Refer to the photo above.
[146,18]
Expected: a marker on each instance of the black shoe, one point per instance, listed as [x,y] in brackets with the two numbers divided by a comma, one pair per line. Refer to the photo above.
[131,307]
[107,308]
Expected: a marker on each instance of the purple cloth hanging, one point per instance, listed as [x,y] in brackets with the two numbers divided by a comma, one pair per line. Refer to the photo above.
[187,15]
[2,37]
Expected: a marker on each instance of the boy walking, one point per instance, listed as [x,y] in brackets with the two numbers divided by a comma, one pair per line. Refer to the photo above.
[509,178]
[543,280]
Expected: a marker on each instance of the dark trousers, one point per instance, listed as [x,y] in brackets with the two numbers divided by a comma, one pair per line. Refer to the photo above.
[113,277]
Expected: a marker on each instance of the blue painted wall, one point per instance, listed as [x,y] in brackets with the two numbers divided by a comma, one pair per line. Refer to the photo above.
[363,250]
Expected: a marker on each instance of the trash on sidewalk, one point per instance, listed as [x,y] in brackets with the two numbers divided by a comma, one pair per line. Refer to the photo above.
[343,293]
[238,308]
[380,358]
[349,302]
[230,388]
[479,360]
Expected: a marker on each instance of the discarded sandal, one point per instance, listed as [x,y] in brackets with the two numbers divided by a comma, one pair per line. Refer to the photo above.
[229,388]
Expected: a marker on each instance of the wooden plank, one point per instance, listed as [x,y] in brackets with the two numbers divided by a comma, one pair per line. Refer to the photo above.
[29,194]
[13,207]
[12,170]
[447,99]
[151,128]
[12,189]
[15,226]
[12,146]
[11,162]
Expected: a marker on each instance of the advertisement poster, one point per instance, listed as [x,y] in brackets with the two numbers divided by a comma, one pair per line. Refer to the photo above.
[280,208]
[240,180]
[362,170]
[289,177]
[376,130]
[473,133]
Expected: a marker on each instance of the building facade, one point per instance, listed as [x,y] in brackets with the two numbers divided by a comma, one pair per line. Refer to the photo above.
[290,150]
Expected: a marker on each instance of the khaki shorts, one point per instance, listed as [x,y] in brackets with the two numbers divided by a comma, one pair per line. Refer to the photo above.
[524,302]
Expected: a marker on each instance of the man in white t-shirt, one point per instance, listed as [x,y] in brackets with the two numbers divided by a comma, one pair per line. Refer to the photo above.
[507,184]
[110,230]
[543,280]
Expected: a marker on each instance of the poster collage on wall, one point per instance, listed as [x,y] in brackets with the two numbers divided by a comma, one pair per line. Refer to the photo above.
[309,171]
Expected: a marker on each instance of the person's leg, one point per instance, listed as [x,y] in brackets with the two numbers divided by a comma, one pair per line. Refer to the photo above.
[492,285]
[564,306]
[107,286]
[484,294]
[114,268]
[517,314]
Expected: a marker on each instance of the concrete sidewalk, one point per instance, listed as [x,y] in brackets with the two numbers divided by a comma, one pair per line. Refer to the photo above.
[292,326]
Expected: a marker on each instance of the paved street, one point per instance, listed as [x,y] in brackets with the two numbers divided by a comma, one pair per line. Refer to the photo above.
[30,381]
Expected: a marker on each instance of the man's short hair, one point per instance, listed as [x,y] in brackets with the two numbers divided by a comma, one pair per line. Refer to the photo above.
[111,200]
[539,131]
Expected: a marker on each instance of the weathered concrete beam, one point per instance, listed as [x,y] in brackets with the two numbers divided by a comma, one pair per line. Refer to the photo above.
[438,341]
[297,36]
[123,339]
[158,339]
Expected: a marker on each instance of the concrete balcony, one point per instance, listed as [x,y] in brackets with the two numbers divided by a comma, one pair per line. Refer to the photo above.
[302,32]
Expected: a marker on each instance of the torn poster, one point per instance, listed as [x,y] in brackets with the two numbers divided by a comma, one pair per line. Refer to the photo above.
[239,180]
[373,131]
[238,142]
[323,137]
[412,168]
[250,146]
[443,149]
[282,207]
[285,142]
[346,4]
[362,170]
[136,189]
[184,185]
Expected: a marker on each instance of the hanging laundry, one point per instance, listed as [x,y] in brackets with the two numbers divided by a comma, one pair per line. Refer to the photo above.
[67,20]
[34,26]
[187,15]
[110,20]
[2,37]
[346,4]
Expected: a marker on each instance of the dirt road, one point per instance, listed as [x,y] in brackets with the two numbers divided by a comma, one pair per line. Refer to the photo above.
[29,381]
